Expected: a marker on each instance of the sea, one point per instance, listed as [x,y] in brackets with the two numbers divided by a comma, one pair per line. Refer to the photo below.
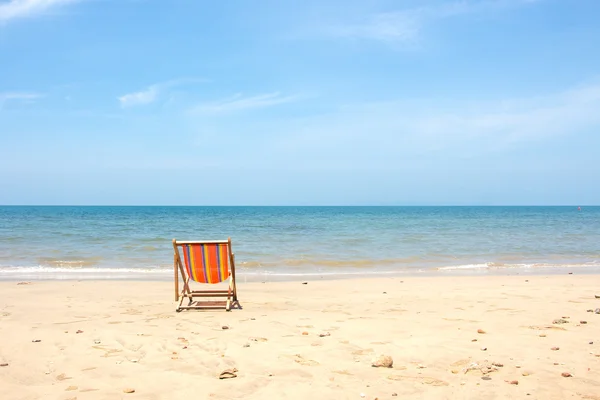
[299,243]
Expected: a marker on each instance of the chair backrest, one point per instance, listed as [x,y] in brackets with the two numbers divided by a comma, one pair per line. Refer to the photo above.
[207,262]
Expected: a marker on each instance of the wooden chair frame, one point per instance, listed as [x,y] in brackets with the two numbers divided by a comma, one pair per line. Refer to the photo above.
[230,293]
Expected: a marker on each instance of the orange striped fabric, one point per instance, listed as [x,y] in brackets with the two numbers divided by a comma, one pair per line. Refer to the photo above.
[206,263]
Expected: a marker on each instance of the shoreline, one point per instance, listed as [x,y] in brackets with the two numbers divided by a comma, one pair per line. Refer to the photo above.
[166,275]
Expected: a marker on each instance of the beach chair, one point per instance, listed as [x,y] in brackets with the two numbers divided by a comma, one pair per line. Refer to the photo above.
[207,262]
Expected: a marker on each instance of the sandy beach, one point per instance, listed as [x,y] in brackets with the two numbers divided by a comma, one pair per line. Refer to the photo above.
[94,340]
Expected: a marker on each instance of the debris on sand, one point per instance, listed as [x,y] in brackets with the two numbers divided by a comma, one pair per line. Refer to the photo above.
[560,321]
[483,367]
[566,374]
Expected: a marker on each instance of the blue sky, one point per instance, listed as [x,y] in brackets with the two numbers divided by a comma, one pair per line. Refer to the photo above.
[299,102]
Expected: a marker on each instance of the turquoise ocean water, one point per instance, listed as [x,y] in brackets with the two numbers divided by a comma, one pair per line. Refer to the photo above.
[41,242]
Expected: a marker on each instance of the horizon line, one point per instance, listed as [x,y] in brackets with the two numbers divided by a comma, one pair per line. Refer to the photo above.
[300,205]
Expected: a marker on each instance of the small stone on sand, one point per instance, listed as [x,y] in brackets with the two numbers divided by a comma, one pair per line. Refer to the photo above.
[4,365]
[566,374]
[473,340]
[36,340]
[224,327]
[480,331]
[597,296]
[583,322]
[305,283]
[484,349]
[129,390]
[555,348]
[394,394]
[597,311]
[525,373]
[304,333]
[542,335]
[228,373]
[514,382]
[383,361]
[497,364]
[560,321]
[79,331]
[97,342]
[324,334]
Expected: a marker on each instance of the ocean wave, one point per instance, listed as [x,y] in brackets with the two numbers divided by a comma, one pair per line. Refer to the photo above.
[354,263]
[496,265]
[13,270]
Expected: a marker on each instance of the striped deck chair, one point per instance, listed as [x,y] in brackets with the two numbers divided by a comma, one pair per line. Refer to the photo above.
[207,262]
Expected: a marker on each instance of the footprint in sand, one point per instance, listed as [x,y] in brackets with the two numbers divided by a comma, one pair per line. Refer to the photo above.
[62,377]
[425,380]
[303,361]
[342,372]
[362,352]
[107,352]
[131,311]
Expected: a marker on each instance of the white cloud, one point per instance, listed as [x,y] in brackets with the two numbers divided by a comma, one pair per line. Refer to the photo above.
[239,102]
[152,92]
[14,9]
[404,26]
[145,96]
[18,96]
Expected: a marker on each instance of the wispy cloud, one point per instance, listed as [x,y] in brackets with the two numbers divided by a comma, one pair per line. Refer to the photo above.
[377,133]
[152,93]
[14,9]
[238,102]
[405,26]
[18,96]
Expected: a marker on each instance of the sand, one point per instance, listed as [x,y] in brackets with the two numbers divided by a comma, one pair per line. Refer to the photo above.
[93,340]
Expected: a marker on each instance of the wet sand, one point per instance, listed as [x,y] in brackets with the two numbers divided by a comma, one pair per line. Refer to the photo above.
[93,340]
